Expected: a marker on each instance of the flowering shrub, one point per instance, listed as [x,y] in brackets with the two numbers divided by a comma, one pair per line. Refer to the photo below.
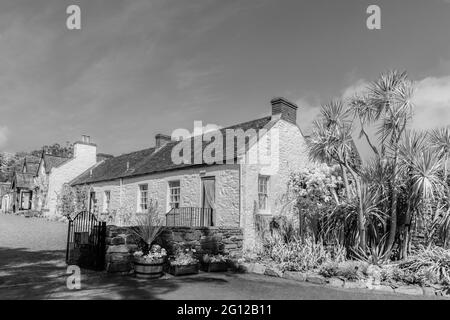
[184,258]
[214,258]
[314,193]
[156,253]
[322,183]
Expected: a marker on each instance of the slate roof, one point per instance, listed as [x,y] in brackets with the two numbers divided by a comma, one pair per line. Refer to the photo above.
[32,164]
[24,180]
[51,161]
[113,168]
[149,161]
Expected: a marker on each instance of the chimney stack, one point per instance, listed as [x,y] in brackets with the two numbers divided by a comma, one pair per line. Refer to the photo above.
[85,148]
[286,108]
[162,140]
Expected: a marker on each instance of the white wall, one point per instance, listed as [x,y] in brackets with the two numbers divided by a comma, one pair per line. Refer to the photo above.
[125,198]
[85,156]
[292,156]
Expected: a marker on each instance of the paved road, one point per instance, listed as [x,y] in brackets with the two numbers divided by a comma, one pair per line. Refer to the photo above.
[32,267]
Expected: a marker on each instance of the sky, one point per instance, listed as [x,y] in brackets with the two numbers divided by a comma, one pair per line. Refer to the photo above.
[141,67]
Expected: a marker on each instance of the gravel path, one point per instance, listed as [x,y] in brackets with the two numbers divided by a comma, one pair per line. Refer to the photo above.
[33,234]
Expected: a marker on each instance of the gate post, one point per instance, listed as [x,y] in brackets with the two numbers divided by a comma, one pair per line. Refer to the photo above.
[68,241]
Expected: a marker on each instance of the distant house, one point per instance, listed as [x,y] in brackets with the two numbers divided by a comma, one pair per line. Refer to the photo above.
[22,185]
[37,185]
[5,197]
[230,192]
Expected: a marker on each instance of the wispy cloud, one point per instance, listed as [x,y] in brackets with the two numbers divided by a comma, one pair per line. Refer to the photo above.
[307,113]
[432,100]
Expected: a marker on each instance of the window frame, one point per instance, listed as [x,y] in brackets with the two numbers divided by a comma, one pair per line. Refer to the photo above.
[263,193]
[106,201]
[174,198]
[142,206]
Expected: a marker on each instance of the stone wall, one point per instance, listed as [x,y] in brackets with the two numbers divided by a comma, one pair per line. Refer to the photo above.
[121,243]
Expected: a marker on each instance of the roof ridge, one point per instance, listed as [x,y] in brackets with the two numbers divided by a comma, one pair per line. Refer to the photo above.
[158,159]
[129,153]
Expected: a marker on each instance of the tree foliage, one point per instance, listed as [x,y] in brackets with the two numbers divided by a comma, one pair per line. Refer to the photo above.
[406,178]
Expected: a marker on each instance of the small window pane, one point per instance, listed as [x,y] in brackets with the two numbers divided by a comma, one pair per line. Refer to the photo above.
[143,197]
[262,192]
[174,194]
[107,200]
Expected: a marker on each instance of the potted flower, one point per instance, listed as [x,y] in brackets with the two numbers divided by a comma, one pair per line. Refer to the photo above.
[149,259]
[183,263]
[149,265]
[214,263]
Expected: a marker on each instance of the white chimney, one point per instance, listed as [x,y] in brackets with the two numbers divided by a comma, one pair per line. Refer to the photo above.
[85,149]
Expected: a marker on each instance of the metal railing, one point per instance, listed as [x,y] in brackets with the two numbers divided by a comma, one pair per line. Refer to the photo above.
[189,217]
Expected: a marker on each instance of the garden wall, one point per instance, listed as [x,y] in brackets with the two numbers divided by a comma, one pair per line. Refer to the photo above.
[121,243]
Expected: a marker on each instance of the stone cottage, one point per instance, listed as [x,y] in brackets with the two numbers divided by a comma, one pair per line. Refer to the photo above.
[22,185]
[37,185]
[230,191]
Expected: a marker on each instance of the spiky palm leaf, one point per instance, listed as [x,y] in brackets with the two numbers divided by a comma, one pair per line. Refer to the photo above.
[335,114]
[425,174]
[412,145]
[362,109]
[440,139]
[391,97]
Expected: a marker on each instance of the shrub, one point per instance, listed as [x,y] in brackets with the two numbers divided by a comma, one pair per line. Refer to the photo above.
[349,270]
[300,255]
[428,266]
[183,258]
[148,227]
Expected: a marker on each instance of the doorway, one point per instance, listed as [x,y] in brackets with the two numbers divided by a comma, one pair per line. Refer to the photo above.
[208,200]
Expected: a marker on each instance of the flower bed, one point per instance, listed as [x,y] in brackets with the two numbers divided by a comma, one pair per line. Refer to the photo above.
[425,272]
[183,263]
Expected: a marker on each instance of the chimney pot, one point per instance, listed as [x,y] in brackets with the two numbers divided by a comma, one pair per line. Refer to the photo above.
[286,108]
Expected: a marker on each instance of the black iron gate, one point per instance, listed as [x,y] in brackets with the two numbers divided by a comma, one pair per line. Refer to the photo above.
[86,241]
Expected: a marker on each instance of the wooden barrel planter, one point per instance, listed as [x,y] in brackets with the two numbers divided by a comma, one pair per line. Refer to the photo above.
[148,270]
[177,270]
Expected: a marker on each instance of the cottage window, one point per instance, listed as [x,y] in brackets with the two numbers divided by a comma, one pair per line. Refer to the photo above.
[143,197]
[262,192]
[174,194]
[107,199]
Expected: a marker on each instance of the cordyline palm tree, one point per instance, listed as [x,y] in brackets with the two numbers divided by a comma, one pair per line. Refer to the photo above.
[411,148]
[335,120]
[440,141]
[388,104]
[331,141]
[423,168]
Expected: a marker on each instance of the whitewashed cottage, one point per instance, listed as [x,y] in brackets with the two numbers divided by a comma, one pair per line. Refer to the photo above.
[228,193]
